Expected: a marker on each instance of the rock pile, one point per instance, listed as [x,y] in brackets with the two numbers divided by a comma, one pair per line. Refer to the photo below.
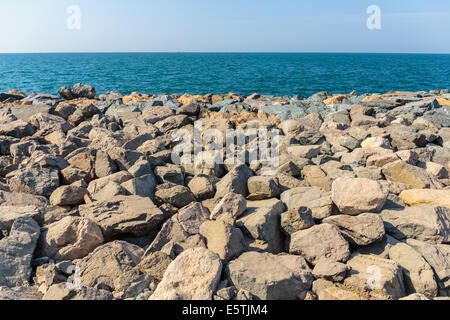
[94,205]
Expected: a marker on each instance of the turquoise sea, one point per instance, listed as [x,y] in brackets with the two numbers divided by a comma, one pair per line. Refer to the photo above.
[244,73]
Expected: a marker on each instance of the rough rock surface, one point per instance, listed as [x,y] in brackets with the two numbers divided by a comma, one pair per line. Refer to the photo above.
[193,275]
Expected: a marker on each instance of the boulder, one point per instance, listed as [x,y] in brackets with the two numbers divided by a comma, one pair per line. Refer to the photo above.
[315,198]
[357,195]
[419,197]
[382,279]
[296,220]
[68,196]
[234,181]
[108,262]
[77,91]
[254,272]
[35,180]
[261,221]
[9,214]
[413,177]
[424,223]
[16,252]
[262,187]
[320,241]
[231,207]
[418,274]
[330,270]
[193,275]
[361,230]
[176,195]
[223,239]
[70,238]
[124,215]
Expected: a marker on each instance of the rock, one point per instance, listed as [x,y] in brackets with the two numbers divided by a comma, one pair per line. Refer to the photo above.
[413,177]
[376,142]
[17,129]
[357,195]
[19,293]
[9,214]
[419,197]
[104,166]
[234,181]
[98,184]
[36,180]
[16,252]
[296,220]
[437,256]
[231,207]
[169,174]
[21,199]
[132,283]
[307,152]
[361,230]
[261,221]
[108,262]
[155,264]
[415,297]
[70,238]
[61,291]
[143,186]
[176,195]
[193,275]
[68,196]
[424,223]
[330,270]
[174,233]
[124,215]
[192,217]
[77,91]
[314,176]
[380,278]
[254,272]
[202,187]
[318,200]
[320,241]
[418,275]
[156,114]
[261,187]
[223,239]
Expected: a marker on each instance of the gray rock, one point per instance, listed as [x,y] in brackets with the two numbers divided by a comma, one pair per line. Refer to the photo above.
[361,230]
[254,272]
[320,241]
[424,223]
[35,180]
[223,239]
[234,181]
[193,275]
[16,252]
[315,198]
[296,219]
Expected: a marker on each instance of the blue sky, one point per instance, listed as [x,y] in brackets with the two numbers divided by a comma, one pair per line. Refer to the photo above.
[225,26]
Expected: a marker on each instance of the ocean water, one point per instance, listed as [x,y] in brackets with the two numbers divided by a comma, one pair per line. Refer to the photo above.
[244,73]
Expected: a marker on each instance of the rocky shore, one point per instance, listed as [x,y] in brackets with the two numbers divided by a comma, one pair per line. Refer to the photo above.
[93,207]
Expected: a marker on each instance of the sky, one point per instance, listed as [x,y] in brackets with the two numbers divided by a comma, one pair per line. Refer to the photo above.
[407,26]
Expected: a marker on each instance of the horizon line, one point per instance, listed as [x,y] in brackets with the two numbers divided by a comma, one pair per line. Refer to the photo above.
[228,52]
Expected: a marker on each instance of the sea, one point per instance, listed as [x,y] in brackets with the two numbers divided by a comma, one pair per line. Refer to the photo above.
[244,73]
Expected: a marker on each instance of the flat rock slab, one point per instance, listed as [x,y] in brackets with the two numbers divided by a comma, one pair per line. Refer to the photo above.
[270,277]
[193,275]
[418,197]
[315,198]
[124,215]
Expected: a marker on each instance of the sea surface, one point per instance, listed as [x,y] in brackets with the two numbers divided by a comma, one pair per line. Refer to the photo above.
[244,73]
